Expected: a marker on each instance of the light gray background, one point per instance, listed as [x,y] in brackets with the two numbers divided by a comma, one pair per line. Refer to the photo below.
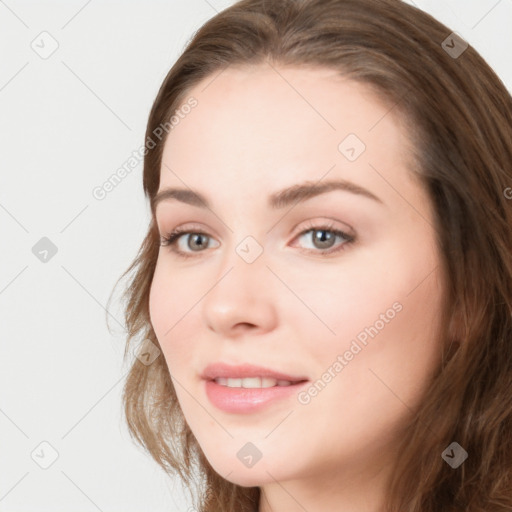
[67,122]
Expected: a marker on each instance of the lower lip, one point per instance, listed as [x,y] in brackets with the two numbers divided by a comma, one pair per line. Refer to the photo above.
[246,400]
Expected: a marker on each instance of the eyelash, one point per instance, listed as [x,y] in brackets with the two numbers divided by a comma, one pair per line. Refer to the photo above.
[171,239]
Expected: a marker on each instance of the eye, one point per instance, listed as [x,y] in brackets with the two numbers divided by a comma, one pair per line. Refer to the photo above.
[323,240]
[196,242]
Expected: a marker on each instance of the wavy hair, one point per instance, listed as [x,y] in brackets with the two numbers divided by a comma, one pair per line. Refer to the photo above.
[458,115]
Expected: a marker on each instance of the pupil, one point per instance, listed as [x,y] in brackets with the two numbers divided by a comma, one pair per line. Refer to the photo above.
[195,239]
[324,241]
[322,237]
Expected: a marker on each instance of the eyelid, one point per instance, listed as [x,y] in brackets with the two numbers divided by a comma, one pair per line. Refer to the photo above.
[348,236]
[325,222]
[299,229]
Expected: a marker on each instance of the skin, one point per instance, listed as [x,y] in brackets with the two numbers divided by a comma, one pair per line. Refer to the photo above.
[292,309]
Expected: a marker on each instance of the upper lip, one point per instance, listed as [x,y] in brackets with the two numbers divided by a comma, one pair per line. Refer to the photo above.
[212,371]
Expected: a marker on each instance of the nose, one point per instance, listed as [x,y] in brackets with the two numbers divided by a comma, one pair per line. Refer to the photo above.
[242,299]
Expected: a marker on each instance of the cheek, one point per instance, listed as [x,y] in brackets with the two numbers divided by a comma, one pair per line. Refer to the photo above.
[339,302]
[372,388]
[167,298]
[173,309]
[384,310]
[169,306]
[158,301]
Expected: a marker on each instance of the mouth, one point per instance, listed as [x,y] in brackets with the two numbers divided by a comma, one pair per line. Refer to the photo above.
[255,382]
[248,375]
[248,388]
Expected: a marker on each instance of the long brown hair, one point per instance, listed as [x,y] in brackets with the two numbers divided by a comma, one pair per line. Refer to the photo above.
[458,115]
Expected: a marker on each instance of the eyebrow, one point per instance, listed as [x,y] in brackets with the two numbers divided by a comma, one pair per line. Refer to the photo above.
[277,200]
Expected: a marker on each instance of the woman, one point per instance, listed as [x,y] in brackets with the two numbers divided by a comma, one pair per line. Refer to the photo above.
[347,165]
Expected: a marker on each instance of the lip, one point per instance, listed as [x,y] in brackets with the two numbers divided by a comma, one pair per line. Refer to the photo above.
[212,371]
[247,400]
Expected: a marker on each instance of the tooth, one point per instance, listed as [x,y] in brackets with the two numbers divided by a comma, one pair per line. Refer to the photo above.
[234,383]
[267,382]
[251,382]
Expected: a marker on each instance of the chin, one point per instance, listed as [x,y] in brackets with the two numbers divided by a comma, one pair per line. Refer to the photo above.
[247,477]
[236,472]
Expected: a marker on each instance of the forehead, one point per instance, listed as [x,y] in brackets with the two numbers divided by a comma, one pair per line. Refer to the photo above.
[276,126]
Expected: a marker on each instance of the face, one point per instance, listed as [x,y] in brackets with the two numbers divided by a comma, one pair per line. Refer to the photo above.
[342,288]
